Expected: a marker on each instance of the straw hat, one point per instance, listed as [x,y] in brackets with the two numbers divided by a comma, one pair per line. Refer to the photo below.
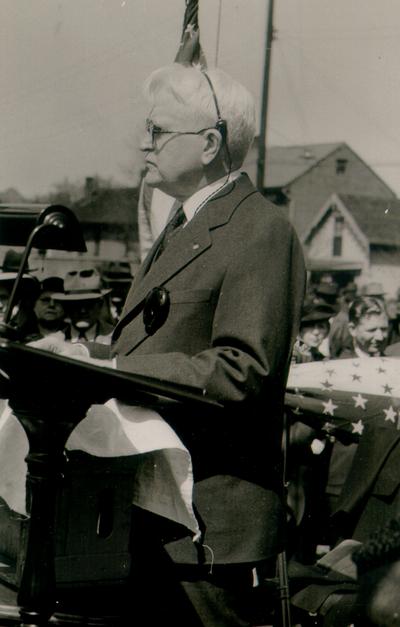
[82,285]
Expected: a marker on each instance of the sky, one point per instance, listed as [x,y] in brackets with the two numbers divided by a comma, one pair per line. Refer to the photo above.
[71,75]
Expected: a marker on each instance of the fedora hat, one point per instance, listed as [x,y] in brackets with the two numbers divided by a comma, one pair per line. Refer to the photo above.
[373,289]
[82,285]
[316,313]
[10,266]
[9,272]
[326,289]
[117,273]
[54,284]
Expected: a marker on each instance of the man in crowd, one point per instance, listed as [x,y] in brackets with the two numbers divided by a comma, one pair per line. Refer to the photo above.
[368,327]
[83,301]
[49,312]
[117,276]
[22,316]
[233,274]
[339,336]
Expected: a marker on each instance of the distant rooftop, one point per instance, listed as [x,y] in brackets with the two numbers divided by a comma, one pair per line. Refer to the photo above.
[378,219]
[286,163]
[108,206]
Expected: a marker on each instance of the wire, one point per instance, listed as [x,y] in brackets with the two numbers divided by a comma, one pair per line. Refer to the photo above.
[218,33]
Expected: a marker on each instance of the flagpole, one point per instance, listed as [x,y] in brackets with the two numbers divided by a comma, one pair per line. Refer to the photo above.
[264,99]
[218,33]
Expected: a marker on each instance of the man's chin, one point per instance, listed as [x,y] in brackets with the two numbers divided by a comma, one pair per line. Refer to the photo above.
[152,177]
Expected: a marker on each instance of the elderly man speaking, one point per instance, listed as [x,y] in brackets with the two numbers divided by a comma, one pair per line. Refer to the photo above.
[232,268]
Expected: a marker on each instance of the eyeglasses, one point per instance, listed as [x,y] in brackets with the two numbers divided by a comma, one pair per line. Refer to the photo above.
[153,130]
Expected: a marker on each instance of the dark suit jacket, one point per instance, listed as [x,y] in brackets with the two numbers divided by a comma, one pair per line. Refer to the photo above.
[236,277]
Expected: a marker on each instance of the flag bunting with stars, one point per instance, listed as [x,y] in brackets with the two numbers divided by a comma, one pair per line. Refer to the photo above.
[345,395]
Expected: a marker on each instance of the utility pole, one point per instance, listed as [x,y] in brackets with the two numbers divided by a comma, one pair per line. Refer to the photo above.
[264,98]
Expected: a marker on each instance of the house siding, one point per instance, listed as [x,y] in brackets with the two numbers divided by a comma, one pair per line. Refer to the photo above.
[321,244]
[309,192]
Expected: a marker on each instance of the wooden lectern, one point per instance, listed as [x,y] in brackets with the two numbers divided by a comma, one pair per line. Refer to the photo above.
[50,394]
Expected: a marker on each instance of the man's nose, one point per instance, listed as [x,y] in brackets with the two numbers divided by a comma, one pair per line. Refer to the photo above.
[379,335]
[146,143]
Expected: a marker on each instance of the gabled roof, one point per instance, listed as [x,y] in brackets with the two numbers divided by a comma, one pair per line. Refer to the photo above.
[109,206]
[374,221]
[377,218]
[286,163]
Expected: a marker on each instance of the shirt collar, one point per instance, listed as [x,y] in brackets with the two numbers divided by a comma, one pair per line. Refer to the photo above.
[90,333]
[360,353]
[194,203]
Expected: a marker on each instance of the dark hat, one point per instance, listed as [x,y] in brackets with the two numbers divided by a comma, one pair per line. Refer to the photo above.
[350,288]
[117,273]
[82,285]
[10,266]
[12,261]
[326,289]
[317,313]
[52,284]
[373,289]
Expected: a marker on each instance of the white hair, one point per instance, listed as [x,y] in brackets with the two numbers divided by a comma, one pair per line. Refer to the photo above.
[192,93]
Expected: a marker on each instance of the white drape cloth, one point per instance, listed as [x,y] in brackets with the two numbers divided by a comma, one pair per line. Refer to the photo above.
[163,483]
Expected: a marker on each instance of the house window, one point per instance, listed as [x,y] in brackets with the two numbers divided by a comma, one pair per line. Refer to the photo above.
[338,236]
[341,165]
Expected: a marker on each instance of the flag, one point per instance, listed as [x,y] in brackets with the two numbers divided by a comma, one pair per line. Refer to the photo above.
[154,206]
[346,395]
[190,51]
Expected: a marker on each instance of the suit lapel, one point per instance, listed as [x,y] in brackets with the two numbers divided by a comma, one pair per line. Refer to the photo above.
[187,244]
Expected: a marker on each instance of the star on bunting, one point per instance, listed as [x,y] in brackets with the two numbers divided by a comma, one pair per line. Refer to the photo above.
[329,407]
[356,377]
[390,415]
[387,389]
[358,427]
[360,401]
[326,384]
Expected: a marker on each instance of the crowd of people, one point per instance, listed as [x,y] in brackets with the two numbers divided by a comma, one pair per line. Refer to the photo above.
[82,305]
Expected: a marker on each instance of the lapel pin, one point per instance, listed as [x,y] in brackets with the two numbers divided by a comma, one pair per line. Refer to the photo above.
[196,246]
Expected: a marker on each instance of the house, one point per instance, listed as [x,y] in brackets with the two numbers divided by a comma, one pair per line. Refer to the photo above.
[110,228]
[301,178]
[356,238]
[109,221]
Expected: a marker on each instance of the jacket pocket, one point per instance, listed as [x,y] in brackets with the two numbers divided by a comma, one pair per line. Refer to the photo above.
[190,296]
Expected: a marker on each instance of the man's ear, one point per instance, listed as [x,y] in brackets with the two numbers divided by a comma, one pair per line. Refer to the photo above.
[212,146]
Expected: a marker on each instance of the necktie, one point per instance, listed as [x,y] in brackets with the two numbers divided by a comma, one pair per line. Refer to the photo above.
[177,221]
[82,334]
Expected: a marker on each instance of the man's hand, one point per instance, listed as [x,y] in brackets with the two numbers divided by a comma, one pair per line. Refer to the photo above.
[68,349]
[61,347]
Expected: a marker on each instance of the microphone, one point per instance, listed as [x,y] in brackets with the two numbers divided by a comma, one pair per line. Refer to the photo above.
[155,307]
